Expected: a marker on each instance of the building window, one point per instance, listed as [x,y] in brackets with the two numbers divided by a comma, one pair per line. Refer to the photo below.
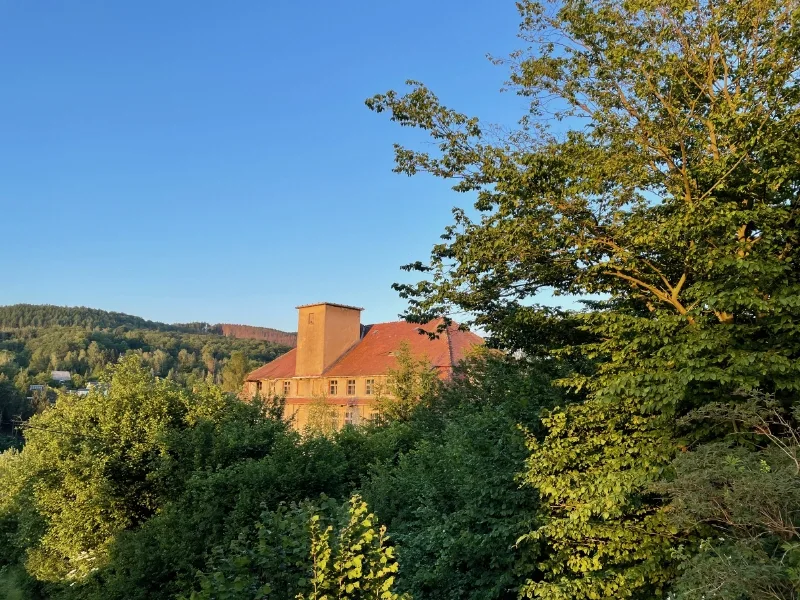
[258,386]
[369,388]
[351,415]
[333,387]
[310,318]
[351,387]
[287,387]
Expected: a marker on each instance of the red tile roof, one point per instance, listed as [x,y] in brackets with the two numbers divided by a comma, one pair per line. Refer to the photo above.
[374,353]
[281,367]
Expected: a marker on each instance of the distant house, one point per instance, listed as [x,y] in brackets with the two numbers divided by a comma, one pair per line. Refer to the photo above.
[343,363]
[36,388]
[61,376]
[79,392]
[97,385]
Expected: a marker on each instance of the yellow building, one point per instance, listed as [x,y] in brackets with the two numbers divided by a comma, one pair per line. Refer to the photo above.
[341,364]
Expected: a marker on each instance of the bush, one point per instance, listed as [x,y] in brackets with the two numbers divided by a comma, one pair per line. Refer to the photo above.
[307,551]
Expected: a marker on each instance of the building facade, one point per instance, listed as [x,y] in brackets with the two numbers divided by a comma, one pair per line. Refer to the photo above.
[341,365]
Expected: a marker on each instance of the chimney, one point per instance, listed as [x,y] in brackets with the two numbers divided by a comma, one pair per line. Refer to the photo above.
[324,332]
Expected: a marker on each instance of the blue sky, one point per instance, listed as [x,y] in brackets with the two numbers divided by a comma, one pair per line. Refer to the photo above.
[214,161]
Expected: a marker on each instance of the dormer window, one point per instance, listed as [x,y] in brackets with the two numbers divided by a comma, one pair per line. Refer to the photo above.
[287,388]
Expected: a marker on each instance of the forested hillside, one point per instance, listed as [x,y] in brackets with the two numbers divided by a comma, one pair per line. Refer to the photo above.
[257,333]
[37,340]
[19,316]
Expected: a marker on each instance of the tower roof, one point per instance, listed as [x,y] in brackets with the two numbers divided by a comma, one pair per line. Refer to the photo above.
[329,304]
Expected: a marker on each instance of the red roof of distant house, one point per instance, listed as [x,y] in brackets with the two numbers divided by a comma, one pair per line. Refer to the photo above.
[374,353]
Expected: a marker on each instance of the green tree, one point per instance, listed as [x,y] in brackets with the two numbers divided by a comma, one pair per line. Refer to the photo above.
[409,383]
[14,585]
[92,460]
[161,362]
[8,363]
[742,495]
[225,472]
[211,361]
[123,496]
[323,417]
[305,552]
[97,466]
[95,357]
[12,404]
[452,501]
[234,372]
[669,184]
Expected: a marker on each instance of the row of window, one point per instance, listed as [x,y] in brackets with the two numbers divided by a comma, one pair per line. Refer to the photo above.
[353,415]
[333,387]
[350,387]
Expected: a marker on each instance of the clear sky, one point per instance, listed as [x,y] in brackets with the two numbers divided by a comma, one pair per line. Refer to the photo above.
[214,161]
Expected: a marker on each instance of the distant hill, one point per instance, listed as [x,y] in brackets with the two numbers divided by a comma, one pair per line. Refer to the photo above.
[19,316]
[248,332]
[36,340]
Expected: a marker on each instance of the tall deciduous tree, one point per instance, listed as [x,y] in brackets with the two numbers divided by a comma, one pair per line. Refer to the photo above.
[234,372]
[90,462]
[96,466]
[12,404]
[659,164]
[410,382]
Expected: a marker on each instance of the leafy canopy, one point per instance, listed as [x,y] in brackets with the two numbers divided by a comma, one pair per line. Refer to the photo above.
[742,495]
[308,552]
[658,165]
[411,382]
[452,501]
[658,161]
[97,466]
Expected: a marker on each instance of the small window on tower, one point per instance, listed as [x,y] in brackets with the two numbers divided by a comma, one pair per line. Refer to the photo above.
[287,387]
[310,318]
[333,387]
[351,387]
